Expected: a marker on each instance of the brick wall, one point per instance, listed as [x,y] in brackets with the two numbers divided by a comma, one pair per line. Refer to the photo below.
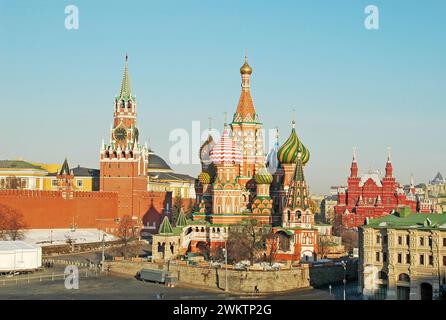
[48,209]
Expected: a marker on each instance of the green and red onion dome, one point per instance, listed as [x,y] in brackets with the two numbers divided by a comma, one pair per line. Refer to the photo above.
[288,151]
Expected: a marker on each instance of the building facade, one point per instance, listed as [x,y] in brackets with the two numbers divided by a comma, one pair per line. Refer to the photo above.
[403,256]
[370,196]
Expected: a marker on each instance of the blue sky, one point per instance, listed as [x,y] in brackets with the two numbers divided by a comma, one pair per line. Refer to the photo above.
[350,86]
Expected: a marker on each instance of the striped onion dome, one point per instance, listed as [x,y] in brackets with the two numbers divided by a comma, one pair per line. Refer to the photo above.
[288,151]
[204,178]
[225,151]
[263,177]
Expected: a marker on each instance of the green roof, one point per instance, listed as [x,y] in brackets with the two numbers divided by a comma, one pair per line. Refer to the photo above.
[17,164]
[165,227]
[413,220]
[126,90]
[181,221]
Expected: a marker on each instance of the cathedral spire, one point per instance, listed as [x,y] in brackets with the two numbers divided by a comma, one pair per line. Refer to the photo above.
[245,109]
[126,90]
[297,196]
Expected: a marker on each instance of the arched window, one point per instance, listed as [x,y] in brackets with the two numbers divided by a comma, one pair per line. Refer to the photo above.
[404,277]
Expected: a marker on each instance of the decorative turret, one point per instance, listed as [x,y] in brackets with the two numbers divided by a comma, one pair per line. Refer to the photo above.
[389,169]
[297,193]
[262,202]
[354,167]
[288,151]
[165,227]
[378,202]
[181,221]
[245,108]
[271,161]
[65,180]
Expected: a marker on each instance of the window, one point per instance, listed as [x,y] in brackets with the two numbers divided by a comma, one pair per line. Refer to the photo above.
[378,239]
[80,183]
[400,258]
[444,242]
[377,257]
[422,259]
[400,240]
[444,260]
[431,260]
[407,240]
[421,241]
[54,183]
[408,258]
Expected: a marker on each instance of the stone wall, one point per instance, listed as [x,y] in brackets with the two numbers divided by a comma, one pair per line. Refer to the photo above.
[238,281]
[326,275]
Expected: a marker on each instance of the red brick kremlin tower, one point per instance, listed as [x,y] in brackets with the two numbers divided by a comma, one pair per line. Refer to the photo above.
[124,161]
[370,196]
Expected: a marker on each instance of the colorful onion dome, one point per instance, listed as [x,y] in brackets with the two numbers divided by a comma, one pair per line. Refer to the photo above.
[246,69]
[288,151]
[263,177]
[271,161]
[204,178]
[205,150]
[225,151]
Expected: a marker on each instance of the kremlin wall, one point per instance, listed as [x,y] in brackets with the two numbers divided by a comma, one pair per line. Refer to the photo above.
[123,187]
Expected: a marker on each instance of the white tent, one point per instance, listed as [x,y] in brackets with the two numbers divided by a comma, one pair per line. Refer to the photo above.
[19,256]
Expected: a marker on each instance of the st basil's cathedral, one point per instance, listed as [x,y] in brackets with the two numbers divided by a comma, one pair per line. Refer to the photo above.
[238,182]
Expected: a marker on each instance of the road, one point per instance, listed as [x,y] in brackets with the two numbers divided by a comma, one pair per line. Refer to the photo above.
[115,287]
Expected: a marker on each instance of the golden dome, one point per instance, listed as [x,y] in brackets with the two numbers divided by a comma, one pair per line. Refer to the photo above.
[246,69]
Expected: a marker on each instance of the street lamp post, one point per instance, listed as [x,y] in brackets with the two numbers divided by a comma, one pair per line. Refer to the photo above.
[103,252]
[226,264]
[344,265]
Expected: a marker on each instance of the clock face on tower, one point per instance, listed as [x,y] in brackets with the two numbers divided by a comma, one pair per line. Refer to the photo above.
[120,134]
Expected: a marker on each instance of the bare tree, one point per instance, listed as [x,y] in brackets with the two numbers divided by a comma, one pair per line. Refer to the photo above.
[247,240]
[11,224]
[126,233]
[324,244]
[350,238]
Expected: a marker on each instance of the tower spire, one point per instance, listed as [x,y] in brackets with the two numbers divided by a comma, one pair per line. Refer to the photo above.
[126,91]
[297,196]
[210,125]
[389,168]
[294,119]
[389,156]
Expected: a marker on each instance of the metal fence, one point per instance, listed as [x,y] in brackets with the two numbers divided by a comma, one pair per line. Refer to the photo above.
[28,279]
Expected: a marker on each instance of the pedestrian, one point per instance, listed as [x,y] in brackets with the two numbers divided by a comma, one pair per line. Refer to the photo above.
[256,290]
